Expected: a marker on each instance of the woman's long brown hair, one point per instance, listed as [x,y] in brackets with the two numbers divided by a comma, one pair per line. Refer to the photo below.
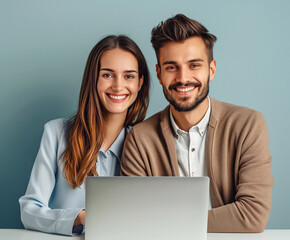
[86,130]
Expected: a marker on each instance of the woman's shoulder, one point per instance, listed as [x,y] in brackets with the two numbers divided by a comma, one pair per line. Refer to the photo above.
[57,127]
[55,134]
[56,123]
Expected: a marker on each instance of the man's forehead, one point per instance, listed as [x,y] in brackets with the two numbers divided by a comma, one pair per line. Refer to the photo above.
[191,48]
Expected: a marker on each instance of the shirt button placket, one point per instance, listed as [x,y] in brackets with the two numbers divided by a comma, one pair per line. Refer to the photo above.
[193,165]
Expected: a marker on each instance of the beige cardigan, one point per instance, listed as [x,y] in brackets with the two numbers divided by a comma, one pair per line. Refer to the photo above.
[237,157]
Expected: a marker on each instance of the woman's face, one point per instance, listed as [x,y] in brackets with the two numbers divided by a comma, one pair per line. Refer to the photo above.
[118,82]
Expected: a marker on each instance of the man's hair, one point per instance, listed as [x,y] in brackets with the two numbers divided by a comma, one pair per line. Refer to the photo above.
[178,29]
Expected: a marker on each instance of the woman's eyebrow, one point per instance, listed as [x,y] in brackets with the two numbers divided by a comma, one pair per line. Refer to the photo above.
[128,71]
[107,69]
[111,70]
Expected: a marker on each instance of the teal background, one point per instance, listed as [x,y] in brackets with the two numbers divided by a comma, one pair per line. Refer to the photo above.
[44,46]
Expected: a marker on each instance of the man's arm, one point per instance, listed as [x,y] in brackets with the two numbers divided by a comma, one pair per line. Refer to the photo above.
[132,164]
[250,211]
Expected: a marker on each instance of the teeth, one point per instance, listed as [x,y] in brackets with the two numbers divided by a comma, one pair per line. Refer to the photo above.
[184,89]
[117,97]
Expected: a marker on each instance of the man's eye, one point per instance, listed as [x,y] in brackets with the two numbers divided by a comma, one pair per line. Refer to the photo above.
[194,65]
[171,68]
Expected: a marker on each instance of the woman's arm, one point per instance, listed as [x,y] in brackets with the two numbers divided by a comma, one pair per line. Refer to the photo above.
[34,205]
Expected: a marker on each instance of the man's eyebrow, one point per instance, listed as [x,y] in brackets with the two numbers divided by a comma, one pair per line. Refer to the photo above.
[189,61]
[169,62]
[195,60]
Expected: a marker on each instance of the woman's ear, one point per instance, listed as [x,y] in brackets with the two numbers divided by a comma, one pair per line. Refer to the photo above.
[141,80]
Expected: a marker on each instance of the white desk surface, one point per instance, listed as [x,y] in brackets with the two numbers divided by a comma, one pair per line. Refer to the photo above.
[21,234]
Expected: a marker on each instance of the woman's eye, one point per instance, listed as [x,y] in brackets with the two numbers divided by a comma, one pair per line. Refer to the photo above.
[107,75]
[129,76]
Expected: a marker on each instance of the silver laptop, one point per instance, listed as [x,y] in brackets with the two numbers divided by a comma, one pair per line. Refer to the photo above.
[146,208]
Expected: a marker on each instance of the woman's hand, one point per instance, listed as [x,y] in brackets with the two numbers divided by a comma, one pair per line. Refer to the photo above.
[80,219]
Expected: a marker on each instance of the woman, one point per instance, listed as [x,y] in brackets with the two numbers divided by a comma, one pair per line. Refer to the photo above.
[114,96]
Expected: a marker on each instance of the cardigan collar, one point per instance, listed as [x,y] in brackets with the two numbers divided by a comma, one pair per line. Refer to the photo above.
[214,114]
[167,131]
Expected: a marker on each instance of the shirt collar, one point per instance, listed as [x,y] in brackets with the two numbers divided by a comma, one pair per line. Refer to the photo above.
[117,146]
[201,126]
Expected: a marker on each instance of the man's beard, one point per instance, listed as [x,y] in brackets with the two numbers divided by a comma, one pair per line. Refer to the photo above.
[182,107]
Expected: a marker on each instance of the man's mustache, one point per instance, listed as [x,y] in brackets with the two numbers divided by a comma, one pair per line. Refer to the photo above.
[189,84]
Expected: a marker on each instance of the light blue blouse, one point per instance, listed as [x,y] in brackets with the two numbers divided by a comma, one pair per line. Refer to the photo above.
[50,204]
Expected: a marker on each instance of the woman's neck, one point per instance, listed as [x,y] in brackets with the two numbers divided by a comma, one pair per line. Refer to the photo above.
[114,125]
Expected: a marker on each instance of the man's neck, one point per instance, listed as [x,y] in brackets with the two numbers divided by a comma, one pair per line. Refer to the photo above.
[185,120]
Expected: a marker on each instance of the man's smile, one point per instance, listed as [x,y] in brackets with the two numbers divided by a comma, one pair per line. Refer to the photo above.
[184,90]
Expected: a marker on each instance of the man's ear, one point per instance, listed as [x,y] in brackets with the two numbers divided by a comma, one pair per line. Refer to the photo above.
[141,80]
[158,72]
[212,69]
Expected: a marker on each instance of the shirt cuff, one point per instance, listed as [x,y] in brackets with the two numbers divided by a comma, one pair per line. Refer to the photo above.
[65,223]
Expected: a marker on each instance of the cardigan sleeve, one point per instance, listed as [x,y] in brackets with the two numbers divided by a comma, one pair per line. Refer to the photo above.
[34,205]
[132,163]
[253,191]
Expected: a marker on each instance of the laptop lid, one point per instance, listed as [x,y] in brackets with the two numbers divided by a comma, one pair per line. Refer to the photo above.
[143,208]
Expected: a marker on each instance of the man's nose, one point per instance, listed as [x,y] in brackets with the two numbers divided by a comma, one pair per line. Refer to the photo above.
[183,75]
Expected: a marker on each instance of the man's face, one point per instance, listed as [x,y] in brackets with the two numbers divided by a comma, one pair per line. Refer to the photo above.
[185,72]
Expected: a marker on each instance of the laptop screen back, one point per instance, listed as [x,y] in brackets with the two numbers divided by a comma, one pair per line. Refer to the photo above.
[143,208]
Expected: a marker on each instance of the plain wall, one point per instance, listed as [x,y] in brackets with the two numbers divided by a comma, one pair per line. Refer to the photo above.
[43,50]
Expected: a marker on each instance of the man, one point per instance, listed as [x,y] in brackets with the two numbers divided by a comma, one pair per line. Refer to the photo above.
[199,136]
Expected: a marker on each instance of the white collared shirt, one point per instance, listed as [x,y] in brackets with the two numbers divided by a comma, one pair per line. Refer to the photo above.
[190,147]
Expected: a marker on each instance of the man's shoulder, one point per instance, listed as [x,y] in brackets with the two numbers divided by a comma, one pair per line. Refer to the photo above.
[226,112]
[151,125]
[229,107]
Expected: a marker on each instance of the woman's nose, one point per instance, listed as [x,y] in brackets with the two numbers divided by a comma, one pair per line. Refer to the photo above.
[117,83]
